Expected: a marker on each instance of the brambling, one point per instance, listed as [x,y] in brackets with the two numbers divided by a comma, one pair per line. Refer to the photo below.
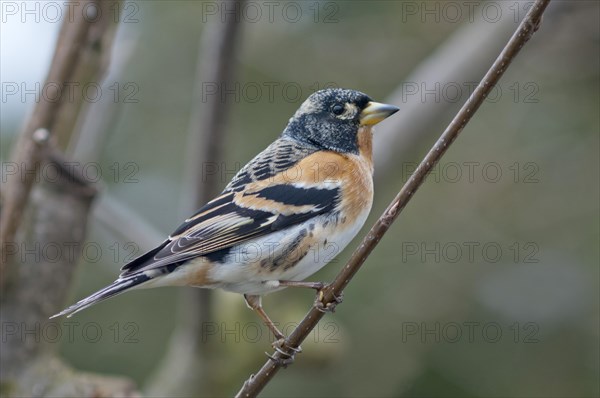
[283,216]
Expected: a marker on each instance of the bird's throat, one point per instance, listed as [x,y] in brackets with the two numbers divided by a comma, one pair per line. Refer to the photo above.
[365,143]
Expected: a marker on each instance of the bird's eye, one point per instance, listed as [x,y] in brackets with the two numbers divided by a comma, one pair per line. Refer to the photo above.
[337,109]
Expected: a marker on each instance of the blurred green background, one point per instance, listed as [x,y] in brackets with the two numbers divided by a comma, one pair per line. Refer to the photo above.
[487,285]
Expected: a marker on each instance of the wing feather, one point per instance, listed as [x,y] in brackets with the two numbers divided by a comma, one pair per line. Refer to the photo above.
[241,213]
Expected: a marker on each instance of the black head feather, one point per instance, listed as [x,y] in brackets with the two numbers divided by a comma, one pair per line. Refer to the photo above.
[329,119]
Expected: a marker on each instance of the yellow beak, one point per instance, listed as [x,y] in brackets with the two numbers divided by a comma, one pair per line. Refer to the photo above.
[375,112]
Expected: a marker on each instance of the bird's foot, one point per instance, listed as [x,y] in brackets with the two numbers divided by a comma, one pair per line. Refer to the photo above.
[320,288]
[286,352]
[330,306]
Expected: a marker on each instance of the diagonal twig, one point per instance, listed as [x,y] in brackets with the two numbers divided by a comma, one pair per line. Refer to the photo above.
[255,384]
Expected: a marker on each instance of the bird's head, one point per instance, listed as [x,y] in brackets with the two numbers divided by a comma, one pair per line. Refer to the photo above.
[331,119]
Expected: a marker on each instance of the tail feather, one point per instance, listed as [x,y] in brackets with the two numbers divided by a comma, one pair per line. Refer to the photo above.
[117,287]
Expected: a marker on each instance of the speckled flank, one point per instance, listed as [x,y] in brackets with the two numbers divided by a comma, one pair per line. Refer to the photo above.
[291,255]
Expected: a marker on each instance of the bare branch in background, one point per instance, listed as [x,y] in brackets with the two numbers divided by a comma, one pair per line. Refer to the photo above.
[55,220]
[123,221]
[256,383]
[183,371]
[102,116]
[27,154]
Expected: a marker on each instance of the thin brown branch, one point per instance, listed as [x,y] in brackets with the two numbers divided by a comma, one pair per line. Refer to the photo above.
[256,383]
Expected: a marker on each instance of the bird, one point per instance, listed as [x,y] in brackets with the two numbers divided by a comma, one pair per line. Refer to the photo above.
[281,218]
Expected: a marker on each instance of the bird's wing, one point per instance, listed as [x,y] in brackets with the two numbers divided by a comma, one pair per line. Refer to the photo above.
[265,196]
